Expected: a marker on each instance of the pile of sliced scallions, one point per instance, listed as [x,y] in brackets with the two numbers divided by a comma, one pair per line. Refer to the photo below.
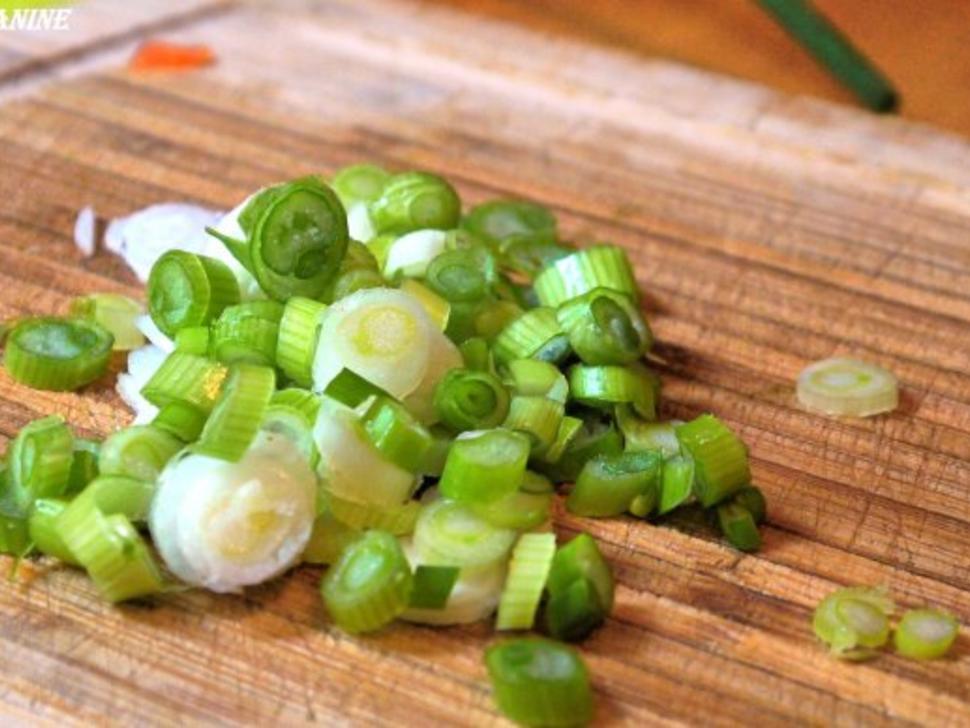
[369,379]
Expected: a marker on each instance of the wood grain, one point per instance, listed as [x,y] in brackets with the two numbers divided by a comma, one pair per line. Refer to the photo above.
[766,232]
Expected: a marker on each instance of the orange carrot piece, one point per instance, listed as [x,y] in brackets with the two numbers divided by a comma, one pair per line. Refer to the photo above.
[155,55]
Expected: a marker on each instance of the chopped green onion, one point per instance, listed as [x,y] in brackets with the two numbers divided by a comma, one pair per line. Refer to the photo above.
[605,327]
[643,435]
[574,611]
[396,520]
[244,341]
[471,400]
[853,621]
[299,242]
[442,358]
[519,511]
[182,420]
[84,465]
[359,183]
[295,425]
[437,308]
[534,482]
[538,682]
[738,526]
[57,354]
[925,634]
[298,335]
[485,466]
[753,499]
[328,539]
[596,437]
[450,534]
[600,266]
[528,571]
[461,276]
[476,355]
[110,549]
[414,201]
[608,386]
[40,461]
[186,378]
[193,340]
[113,494]
[237,415]
[186,289]
[533,378]
[720,459]
[139,452]
[569,428]
[537,417]
[608,485]
[848,388]
[396,434]
[302,400]
[676,483]
[369,585]
[432,586]
[14,533]
[114,312]
[581,557]
[497,220]
[536,334]
[265,310]
[527,255]
[380,247]
[42,527]
[493,316]
[410,255]
[351,281]
[351,389]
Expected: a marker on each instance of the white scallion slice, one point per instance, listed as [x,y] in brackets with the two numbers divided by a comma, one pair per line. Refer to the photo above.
[444,357]
[381,334]
[224,526]
[350,465]
[847,387]
[410,254]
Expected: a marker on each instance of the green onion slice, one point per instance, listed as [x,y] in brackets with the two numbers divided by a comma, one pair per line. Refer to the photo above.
[596,437]
[538,682]
[244,341]
[533,378]
[581,558]
[411,254]
[573,612]
[396,520]
[236,417]
[605,327]
[853,621]
[42,527]
[484,466]
[300,241]
[847,387]
[433,586]
[607,386]
[925,634]
[471,400]
[450,534]
[396,434]
[186,289]
[600,266]
[640,434]
[536,417]
[369,585]
[84,465]
[738,526]
[116,313]
[193,340]
[40,461]
[536,334]
[607,485]
[181,420]
[414,201]
[526,580]
[57,354]
[186,378]
[720,459]
[519,511]
[139,452]
[497,220]
[359,183]
[753,500]
[461,276]
[676,483]
[437,308]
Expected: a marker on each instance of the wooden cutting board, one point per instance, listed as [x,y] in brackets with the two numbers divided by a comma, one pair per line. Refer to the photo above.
[767,232]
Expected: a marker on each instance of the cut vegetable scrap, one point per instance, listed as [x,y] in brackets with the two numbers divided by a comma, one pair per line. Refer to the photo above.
[157,55]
